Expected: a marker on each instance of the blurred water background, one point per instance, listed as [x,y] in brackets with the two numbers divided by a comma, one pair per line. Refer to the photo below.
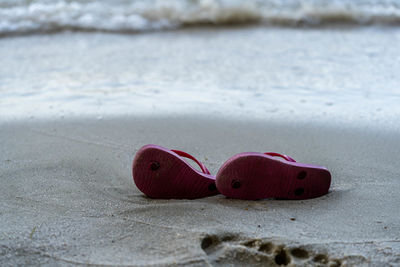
[22,16]
[300,60]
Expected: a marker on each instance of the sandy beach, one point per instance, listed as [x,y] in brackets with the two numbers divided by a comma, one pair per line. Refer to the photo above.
[77,104]
[68,196]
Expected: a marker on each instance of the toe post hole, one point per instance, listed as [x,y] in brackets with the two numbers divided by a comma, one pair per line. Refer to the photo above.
[299,191]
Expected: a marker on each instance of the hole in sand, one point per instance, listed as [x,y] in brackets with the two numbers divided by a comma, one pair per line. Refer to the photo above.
[299,191]
[252,243]
[301,175]
[282,258]
[335,263]
[299,253]
[321,258]
[266,248]
[212,187]
[228,237]
[206,242]
[236,184]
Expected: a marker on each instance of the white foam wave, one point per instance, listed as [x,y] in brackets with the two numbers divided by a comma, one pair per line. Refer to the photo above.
[23,16]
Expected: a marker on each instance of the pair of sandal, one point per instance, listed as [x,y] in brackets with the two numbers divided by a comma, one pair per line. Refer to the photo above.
[162,173]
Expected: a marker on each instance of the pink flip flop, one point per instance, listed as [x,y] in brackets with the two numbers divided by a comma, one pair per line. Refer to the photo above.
[162,173]
[258,176]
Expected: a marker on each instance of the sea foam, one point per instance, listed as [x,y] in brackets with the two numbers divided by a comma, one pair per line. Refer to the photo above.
[25,16]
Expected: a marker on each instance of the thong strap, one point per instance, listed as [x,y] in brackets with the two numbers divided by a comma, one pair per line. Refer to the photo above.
[280,155]
[186,155]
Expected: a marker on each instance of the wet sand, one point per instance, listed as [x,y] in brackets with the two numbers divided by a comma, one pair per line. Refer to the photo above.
[347,76]
[67,195]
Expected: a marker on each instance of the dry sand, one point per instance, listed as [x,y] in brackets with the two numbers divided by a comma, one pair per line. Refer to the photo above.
[67,196]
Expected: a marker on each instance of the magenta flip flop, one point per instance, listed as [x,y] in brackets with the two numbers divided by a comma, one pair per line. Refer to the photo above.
[162,173]
[257,176]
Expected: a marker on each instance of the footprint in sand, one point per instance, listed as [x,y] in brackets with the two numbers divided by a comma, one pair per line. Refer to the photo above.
[231,249]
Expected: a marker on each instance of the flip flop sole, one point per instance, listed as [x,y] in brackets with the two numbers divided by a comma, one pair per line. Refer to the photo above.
[257,176]
[160,173]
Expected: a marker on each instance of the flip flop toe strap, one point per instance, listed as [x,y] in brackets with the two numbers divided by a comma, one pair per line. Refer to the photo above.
[186,155]
[280,155]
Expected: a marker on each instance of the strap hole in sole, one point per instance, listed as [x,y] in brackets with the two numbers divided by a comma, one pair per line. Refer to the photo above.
[301,175]
[154,166]
[299,191]
[236,184]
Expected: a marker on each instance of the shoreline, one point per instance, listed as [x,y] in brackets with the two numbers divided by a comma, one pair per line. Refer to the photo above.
[293,75]
[209,27]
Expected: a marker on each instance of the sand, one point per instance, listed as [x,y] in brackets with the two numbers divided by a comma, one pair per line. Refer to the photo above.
[75,107]
[67,196]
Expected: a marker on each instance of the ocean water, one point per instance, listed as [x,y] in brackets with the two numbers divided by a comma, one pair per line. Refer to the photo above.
[28,16]
[112,58]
